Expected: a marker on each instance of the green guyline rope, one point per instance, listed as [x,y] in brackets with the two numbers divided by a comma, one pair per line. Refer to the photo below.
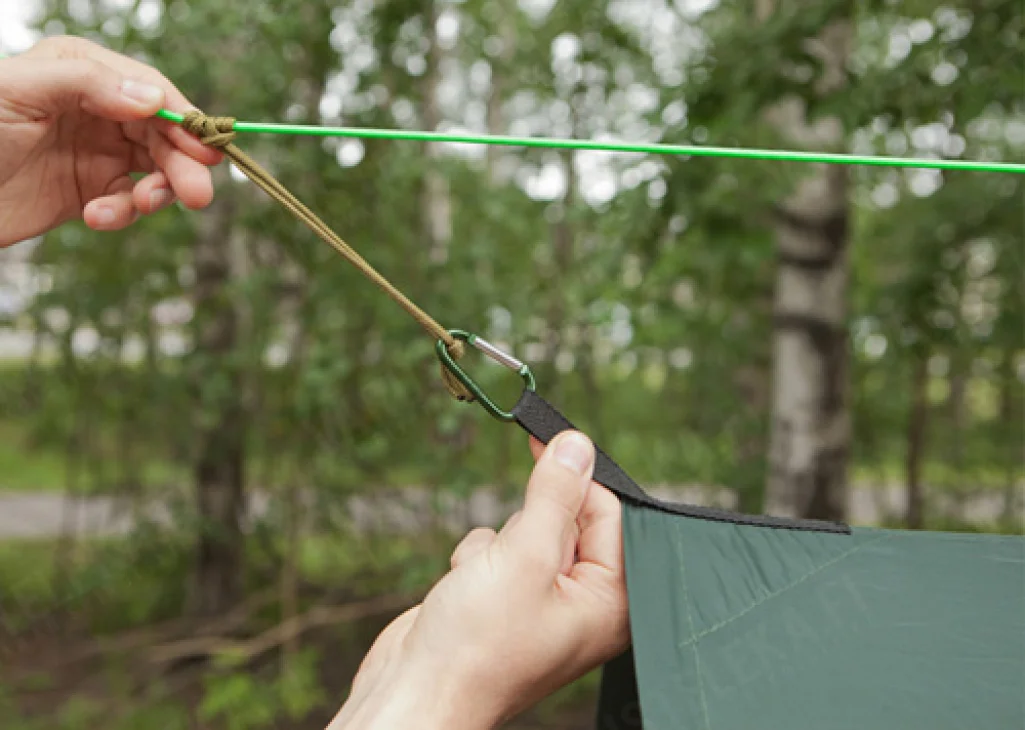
[643,148]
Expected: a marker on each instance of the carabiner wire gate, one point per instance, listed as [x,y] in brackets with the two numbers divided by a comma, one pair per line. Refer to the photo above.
[499,356]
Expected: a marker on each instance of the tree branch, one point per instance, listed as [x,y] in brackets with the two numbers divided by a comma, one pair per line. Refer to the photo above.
[248,649]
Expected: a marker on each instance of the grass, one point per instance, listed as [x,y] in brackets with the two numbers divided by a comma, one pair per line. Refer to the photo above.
[125,581]
[24,469]
[936,474]
[108,582]
[26,571]
[30,469]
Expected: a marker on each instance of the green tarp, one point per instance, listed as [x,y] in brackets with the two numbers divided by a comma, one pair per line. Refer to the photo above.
[741,626]
[744,622]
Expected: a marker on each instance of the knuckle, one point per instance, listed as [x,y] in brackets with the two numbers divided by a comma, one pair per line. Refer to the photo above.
[90,72]
[65,46]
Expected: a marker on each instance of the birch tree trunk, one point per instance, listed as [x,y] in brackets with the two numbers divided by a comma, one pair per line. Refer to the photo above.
[497,123]
[810,428]
[436,203]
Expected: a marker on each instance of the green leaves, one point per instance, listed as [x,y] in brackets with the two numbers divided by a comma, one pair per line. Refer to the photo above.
[640,289]
[237,699]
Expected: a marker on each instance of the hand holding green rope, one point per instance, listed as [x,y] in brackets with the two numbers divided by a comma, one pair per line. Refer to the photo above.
[608,146]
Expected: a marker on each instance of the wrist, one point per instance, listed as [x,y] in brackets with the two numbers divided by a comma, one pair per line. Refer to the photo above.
[408,697]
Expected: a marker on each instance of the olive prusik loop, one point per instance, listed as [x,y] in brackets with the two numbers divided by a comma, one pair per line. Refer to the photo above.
[501,357]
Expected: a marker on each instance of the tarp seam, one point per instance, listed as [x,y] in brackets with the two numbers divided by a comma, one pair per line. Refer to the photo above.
[694,638]
[690,619]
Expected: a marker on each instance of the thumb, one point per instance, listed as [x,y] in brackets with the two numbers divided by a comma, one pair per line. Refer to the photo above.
[52,86]
[555,494]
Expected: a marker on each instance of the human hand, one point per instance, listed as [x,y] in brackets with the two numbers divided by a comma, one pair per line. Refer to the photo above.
[76,119]
[522,612]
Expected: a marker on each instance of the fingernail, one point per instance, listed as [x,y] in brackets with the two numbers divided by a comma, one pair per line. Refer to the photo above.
[105,216]
[159,198]
[142,93]
[574,451]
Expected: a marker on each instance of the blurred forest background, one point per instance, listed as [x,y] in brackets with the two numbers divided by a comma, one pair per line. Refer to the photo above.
[226,460]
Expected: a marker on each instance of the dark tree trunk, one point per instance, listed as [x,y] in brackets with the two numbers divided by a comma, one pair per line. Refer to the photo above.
[219,466]
[918,415]
[960,370]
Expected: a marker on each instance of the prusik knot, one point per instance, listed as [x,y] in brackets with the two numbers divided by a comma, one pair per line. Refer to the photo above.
[216,132]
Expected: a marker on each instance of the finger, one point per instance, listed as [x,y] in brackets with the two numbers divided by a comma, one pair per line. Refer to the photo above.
[509,523]
[191,145]
[569,549]
[190,180]
[599,570]
[555,493]
[113,211]
[475,543]
[76,49]
[174,99]
[601,530]
[573,551]
[46,87]
[152,193]
[70,49]
[139,132]
[558,485]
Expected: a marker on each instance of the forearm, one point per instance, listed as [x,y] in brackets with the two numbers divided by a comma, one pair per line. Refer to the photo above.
[414,702]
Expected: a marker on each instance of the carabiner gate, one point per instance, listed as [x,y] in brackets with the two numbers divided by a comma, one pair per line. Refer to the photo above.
[502,358]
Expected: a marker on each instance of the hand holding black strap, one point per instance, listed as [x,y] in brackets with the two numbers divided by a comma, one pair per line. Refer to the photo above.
[540,418]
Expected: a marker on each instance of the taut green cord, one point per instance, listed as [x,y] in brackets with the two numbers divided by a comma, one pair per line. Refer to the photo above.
[644,148]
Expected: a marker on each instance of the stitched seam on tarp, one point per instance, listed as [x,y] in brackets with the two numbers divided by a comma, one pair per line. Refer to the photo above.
[693,640]
[690,620]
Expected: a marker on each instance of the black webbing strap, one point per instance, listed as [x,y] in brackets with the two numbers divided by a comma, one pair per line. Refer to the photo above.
[543,421]
[619,705]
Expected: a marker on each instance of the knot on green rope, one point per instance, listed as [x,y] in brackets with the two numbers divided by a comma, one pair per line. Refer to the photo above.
[216,132]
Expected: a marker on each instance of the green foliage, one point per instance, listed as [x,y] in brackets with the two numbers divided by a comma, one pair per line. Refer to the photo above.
[646,311]
[239,700]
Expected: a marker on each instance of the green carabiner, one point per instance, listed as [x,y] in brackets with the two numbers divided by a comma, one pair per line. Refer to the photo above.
[495,354]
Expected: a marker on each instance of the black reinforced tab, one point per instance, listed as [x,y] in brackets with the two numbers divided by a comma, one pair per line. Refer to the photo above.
[543,421]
